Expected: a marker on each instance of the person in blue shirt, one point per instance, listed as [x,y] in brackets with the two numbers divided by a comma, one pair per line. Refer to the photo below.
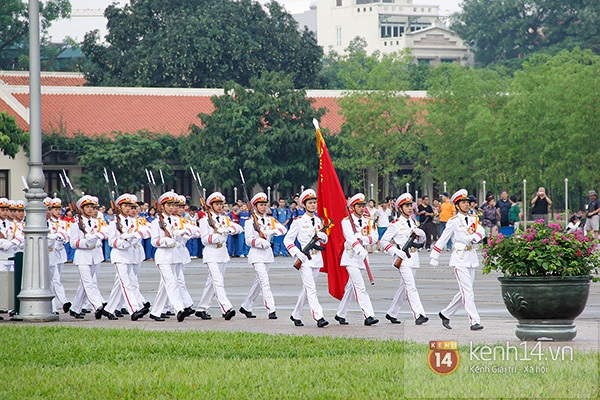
[284,216]
[242,248]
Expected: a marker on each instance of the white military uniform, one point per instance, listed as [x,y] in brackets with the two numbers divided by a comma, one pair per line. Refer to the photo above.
[142,227]
[353,259]
[464,231]
[183,231]
[122,257]
[57,237]
[260,256]
[168,255]
[10,240]
[88,256]
[392,241]
[216,257]
[304,228]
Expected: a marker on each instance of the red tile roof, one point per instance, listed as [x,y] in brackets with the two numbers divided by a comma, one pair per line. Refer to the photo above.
[20,121]
[20,79]
[332,119]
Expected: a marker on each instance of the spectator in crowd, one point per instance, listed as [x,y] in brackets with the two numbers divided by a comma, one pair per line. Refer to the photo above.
[101,211]
[426,221]
[446,212]
[592,218]
[68,216]
[284,216]
[294,211]
[435,205]
[149,250]
[473,208]
[109,216]
[371,215]
[232,240]
[242,248]
[192,243]
[415,211]
[574,224]
[503,205]
[383,217]
[490,217]
[540,205]
[514,213]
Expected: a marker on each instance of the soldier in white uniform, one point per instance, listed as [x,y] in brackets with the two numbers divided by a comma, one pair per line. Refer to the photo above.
[183,231]
[353,258]
[121,237]
[168,255]
[304,228]
[19,220]
[142,228]
[464,230]
[58,235]
[214,238]
[392,241]
[11,238]
[87,242]
[261,255]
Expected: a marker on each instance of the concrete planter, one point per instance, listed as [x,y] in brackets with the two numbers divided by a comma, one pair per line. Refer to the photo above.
[545,306]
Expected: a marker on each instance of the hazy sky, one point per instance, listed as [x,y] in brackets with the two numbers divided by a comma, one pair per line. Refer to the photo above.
[76,27]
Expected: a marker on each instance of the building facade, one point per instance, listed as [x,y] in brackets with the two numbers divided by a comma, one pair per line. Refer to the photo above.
[388,26]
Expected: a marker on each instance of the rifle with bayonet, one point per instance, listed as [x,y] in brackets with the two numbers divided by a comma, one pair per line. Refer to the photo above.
[199,188]
[156,203]
[70,193]
[111,196]
[406,249]
[312,245]
[251,208]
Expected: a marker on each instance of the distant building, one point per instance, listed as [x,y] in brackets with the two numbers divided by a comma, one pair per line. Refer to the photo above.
[388,26]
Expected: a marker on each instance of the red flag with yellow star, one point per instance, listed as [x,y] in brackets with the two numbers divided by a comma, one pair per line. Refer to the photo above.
[331,206]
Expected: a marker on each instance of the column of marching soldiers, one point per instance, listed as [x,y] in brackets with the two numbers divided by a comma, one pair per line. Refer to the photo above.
[170,232]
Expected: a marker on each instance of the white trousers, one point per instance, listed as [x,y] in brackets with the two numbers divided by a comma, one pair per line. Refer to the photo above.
[355,288]
[88,288]
[181,286]
[133,276]
[167,290]
[407,290]
[261,284]
[465,297]
[7,265]
[122,290]
[215,287]
[60,297]
[308,294]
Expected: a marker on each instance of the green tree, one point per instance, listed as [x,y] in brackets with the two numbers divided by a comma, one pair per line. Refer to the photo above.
[379,133]
[551,121]
[127,155]
[265,129]
[463,136]
[181,43]
[14,29]
[11,136]
[511,29]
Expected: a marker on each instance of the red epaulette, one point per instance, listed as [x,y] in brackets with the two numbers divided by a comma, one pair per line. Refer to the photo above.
[396,220]
[298,217]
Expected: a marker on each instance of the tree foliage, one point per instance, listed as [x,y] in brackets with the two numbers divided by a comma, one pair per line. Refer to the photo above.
[202,43]
[11,136]
[356,70]
[265,129]
[512,29]
[379,133]
[540,126]
[14,29]
[125,154]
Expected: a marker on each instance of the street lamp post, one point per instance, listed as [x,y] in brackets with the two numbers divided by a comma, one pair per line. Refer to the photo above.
[445,190]
[269,194]
[36,295]
[372,188]
[235,189]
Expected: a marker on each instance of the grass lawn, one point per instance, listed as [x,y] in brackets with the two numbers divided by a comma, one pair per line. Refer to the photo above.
[82,363]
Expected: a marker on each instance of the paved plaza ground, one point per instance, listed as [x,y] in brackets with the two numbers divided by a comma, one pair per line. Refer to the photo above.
[436,287]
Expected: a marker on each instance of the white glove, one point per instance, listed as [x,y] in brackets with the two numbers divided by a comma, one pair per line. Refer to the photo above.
[6,245]
[220,239]
[358,236]
[400,253]
[223,231]
[419,232]
[135,240]
[51,242]
[322,236]
[269,232]
[177,233]
[167,242]
[100,235]
[474,238]
[361,252]
[122,244]
[302,257]
[232,230]
[127,236]
[434,263]
[261,243]
[52,236]
[91,242]
[91,239]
